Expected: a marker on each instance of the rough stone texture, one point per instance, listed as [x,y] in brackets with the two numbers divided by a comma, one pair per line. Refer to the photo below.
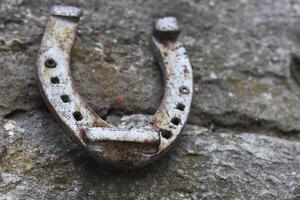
[242,141]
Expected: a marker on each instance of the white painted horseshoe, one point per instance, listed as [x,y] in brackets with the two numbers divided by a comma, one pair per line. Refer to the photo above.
[126,148]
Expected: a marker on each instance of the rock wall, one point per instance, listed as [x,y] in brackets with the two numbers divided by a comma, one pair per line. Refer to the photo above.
[242,139]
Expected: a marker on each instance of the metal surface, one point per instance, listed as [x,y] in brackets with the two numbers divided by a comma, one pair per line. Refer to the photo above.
[126,148]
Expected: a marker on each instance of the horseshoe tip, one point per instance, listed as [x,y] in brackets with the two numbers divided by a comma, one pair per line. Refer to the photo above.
[65,11]
[166,28]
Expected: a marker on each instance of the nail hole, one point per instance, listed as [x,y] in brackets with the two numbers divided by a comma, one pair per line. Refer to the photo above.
[184,89]
[166,134]
[50,63]
[65,98]
[77,115]
[54,80]
[180,106]
[175,120]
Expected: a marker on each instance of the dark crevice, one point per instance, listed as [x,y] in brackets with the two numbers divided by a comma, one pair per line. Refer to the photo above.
[13,113]
[231,120]
[119,111]
[213,124]
[247,73]
[110,111]
[264,75]
[241,123]
[295,68]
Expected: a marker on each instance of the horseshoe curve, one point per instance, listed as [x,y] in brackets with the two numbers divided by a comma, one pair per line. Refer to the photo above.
[125,148]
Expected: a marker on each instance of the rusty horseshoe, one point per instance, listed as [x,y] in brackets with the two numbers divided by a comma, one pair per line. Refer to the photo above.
[126,148]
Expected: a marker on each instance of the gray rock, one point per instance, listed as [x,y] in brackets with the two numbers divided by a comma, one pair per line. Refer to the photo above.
[41,162]
[242,140]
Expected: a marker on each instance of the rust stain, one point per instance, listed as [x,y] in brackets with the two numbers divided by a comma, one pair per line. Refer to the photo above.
[186,72]
[84,137]
[119,99]
[63,38]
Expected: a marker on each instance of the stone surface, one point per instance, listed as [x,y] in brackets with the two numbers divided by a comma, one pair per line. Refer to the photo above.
[242,141]
[40,162]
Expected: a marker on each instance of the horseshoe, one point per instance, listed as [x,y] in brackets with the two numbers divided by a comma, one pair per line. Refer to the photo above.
[125,148]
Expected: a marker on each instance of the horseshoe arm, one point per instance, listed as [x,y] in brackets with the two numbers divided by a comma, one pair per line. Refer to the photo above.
[178,80]
[54,76]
